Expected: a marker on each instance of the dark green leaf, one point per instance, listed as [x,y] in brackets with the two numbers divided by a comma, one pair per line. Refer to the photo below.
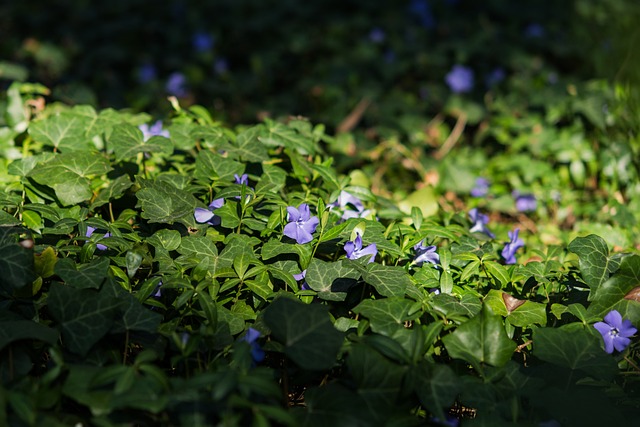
[481,340]
[595,263]
[127,142]
[306,331]
[331,280]
[83,276]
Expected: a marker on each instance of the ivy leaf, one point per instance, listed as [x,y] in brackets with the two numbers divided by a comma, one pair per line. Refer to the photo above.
[437,387]
[333,404]
[272,180]
[16,263]
[83,276]
[573,347]
[68,175]
[595,263]
[306,332]
[386,315]
[248,147]
[521,313]
[212,166]
[65,132]
[451,307]
[84,315]
[379,381]
[15,330]
[127,141]
[163,202]
[613,294]
[280,135]
[389,281]
[114,190]
[331,280]
[481,340]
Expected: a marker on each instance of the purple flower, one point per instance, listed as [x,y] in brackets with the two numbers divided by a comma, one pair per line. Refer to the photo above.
[495,77]
[425,254]
[355,250]
[350,205]
[99,246]
[207,216]
[158,290]
[221,66]
[146,73]
[525,202]
[301,225]
[177,85]
[202,42]
[534,31]
[241,179]
[422,11]
[251,337]
[480,222]
[481,189]
[615,331]
[153,130]
[377,35]
[460,79]
[301,276]
[515,243]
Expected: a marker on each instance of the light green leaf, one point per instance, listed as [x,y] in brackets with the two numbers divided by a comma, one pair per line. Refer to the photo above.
[306,332]
[279,135]
[64,131]
[164,203]
[331,280]
[248,147]
[127,141]
[67,175]
[212,166]
[272,180]
[498,272]
[387,280]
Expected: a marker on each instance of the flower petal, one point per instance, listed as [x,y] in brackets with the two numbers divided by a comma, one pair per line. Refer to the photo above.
[294,214]
[291,230]
[620,343]
[614,318]
[202,215]
[627,329]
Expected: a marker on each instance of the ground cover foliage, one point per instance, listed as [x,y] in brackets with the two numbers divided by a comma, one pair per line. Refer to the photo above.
[428,248]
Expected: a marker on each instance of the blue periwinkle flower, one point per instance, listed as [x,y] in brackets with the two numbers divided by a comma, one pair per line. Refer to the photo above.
[241,179]
[203,42]
[99,246]
[350,205]
[615,331]
[221,66]
[301,276]
[481,189]
[509,250]
[355,250]
[153,130]
[207,216]
[525,202]
[377,35]
[425,254]
[147,73]
[177,85]
[251,337]
[301,225]
[495,77]
[534,31]
[421,9]
[460,79]
[480,222]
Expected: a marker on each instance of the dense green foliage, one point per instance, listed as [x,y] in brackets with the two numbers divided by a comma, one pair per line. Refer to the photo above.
[148,276]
